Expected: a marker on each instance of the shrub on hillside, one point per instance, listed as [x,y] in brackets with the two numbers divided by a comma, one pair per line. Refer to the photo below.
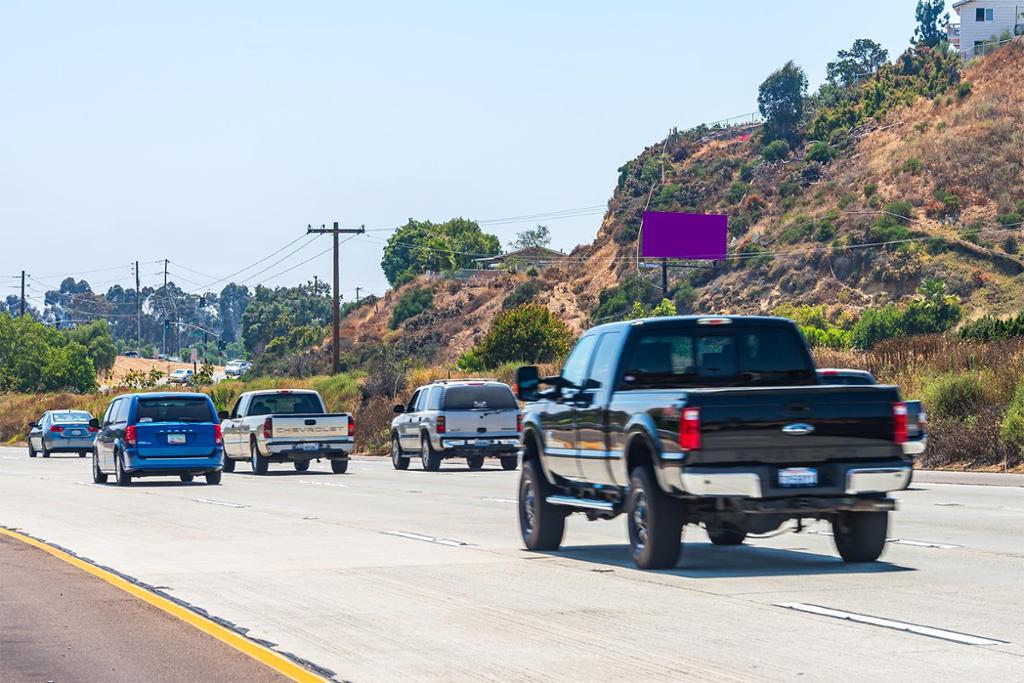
[776,150]
[614,302]
[410,304]
[523,294]
[954,394]
[821,152]
[528,333]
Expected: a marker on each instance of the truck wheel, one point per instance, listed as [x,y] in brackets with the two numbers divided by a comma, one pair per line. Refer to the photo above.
[98,477]
[509,462]
[428,456]
[860,536]
[541,524]
[475,462]
[259,463]
[654,522]
[398,460]
[725,534]
[213,478]
[187,478]
[229,464]
[339,466]
[302,465]
[122,477]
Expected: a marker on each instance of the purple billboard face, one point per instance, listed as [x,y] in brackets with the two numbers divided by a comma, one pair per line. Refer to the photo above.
[699,237]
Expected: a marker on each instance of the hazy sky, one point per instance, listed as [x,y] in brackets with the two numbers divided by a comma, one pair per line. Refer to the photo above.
[212,133]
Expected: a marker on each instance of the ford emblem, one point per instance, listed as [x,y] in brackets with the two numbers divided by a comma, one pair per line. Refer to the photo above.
[798,429]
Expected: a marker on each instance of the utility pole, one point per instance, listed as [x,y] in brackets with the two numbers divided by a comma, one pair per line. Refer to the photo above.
[23,293]
[316,285]
[357,295]
[138,312]
[163,348]
[336,337]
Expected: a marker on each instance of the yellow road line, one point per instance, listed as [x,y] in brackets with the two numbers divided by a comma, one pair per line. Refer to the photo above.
[264,655]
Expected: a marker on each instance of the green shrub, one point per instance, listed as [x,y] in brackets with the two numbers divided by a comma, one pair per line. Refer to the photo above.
[912,166]
[747,171]
[954,394]
[1010,245]
[1012,428]
[523,294]
[736,192]
[1008,220]
[964,89]
[615,302]
[776,150]
[412,303]
[789,189]
[821,152]
[529,333]
[870,189]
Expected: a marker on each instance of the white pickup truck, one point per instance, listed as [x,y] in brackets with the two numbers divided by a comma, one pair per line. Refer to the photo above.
[285,426]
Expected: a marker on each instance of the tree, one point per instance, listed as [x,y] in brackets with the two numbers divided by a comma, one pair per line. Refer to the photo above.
[529,333]
[233,301]
[781,101]
[528,239]
[862,60]
[419,246]
[932,20]
[273,313]
[36,357]
[96,339]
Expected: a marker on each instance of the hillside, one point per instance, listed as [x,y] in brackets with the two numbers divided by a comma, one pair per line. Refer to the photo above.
[921,176]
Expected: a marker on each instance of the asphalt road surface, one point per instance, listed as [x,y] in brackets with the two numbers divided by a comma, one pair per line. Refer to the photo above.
[385,575]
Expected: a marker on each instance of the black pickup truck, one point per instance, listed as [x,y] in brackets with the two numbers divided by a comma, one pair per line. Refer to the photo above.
[715,420]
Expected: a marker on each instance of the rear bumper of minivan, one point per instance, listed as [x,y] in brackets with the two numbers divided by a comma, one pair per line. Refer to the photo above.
[169,466]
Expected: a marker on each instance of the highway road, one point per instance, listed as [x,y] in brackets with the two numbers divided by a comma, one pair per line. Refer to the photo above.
[384,575]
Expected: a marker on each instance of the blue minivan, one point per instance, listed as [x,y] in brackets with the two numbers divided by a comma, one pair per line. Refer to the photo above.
[158,434]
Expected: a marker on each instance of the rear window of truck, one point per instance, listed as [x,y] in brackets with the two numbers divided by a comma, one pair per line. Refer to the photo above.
[485,397]
[683,357]
[285,404]
[174,410]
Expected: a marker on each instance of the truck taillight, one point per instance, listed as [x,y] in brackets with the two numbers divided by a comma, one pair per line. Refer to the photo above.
[899,422]
[519,422]
[689,429]
[351,427]
[440,424]
[268,428]
[218,435]
[130,437]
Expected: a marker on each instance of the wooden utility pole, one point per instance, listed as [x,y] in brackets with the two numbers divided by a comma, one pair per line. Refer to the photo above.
[357,295]
[336,337]
[22,293]
[138,313]
[163,307]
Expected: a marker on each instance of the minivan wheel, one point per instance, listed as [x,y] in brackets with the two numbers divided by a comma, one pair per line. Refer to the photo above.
[213,478]
[509,462]
[398,460]
[82,454]
[541,524]
[475,462]
[186,478]
[860,536]
[98,477]
[229,464]
[654,522]
[429,457]
[123,478]
[259,463]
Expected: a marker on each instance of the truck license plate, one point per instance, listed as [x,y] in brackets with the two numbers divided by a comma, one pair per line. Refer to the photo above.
[310,446]
[176,438]
[798,476]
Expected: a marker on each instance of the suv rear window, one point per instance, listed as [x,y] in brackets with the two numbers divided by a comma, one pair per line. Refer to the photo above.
[285,404]
[682,357]
[482,397]
[174,410]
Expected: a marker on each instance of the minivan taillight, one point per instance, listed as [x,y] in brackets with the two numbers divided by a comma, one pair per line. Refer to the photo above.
[218,435]
[268,428]
[689,429]
[440,424]
[899,422]
[519,422]
[351,427]
[129,435]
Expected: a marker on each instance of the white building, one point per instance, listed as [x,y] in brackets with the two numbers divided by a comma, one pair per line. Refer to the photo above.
[983,21]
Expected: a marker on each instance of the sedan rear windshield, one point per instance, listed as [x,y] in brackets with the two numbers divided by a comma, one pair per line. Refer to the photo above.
[174,410]
[684,357]
[285,404]
[71,417]
[482,397]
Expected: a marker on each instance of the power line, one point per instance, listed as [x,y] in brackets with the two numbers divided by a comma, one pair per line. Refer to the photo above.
[279,261]
[252,265]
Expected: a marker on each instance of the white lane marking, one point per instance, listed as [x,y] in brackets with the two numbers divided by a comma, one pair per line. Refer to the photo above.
[323,483]
[907,627]
[900,541]
[211,501]
[499,500]
[428,539]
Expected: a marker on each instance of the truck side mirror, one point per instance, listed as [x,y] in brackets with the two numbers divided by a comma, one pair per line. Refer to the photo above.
[222,414]
[399,409]
[528,383]
[94,423]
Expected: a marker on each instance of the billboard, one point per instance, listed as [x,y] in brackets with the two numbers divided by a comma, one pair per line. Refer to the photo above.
[694,236]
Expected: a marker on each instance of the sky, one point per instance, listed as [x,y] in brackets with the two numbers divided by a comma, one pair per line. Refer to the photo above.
[212,133]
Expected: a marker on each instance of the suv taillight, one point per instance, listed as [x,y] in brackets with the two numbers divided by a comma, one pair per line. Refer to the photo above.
[351,427]
[440,424]
[689,429]
[129,435]
[519,422]
[899,422]
[268,428]
[218,435]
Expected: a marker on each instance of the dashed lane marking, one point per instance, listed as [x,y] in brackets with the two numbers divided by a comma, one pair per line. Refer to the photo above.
[224,503]
[428,539]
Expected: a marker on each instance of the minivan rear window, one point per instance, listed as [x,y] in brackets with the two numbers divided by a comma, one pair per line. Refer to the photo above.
[285,404]
[482,397]
[174,410]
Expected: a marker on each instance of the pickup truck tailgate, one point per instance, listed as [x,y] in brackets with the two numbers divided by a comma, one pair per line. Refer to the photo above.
[791,425]
[306,427]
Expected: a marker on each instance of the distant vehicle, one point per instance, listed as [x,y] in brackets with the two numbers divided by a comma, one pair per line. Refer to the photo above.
[180,376]
[161,356]
[237,368]
[61,431]
[713,420]
[286,426]
[158,434]
[471,419]
[131,354]
[917,418]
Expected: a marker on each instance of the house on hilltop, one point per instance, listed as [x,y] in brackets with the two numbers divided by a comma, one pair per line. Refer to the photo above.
[530,256]
[984,21]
